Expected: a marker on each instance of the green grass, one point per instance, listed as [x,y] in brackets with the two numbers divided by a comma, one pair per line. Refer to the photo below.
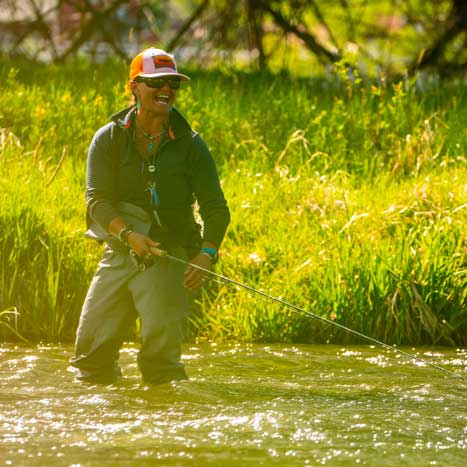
[347,199]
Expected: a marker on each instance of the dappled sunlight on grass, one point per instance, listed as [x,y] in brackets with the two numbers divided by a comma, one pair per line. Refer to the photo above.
[347,199]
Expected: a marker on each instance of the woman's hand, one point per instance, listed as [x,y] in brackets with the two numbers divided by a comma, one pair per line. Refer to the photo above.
[195,277]
[141,244]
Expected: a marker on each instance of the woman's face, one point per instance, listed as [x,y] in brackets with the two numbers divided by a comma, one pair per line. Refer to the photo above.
[157,101]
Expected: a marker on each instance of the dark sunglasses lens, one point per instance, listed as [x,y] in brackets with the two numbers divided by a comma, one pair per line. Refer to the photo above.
[174,83]
[158,83]
[153,82]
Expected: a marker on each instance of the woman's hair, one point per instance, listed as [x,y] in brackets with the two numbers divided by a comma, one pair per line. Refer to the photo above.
[131,95]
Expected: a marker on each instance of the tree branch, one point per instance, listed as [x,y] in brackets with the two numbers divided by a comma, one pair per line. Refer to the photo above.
[323,21]
[456,24]
[187,25]
[255,17]
[44,27]
[308,38]
[97,17]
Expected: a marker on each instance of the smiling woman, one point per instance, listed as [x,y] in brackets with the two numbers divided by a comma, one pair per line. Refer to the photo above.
[145,170]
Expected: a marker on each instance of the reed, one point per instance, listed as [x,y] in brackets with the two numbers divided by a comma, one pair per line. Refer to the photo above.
[348,199]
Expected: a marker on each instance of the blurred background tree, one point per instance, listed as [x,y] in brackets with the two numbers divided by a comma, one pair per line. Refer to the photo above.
[391,37]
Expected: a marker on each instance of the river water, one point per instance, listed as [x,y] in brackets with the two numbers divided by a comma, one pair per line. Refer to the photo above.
[244,405]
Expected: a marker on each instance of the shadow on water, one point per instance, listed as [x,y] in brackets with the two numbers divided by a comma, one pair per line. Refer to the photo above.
[244,405]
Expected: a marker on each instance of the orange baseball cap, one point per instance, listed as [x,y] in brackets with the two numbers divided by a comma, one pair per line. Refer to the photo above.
[154,63]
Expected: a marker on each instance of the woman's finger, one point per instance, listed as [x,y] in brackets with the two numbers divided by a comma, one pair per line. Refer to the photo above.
[194,280]
[152,242]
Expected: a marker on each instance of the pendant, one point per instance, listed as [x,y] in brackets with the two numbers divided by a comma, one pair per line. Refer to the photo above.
[155,196]
[151,168]
[156,218]
[151,147]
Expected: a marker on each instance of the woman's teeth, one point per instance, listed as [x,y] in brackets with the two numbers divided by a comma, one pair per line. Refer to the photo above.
[162,98]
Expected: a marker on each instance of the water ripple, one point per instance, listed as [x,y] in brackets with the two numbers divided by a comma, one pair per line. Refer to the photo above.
[245,405]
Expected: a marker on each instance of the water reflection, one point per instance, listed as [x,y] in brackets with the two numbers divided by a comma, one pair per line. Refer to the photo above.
[245,405]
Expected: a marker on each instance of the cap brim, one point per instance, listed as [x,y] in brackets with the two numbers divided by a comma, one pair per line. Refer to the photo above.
[164,73]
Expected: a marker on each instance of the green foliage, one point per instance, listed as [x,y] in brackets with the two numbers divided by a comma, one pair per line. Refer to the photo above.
[348,199]
[9,320]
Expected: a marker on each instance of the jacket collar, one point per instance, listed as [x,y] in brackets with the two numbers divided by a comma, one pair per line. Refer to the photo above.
[178,126]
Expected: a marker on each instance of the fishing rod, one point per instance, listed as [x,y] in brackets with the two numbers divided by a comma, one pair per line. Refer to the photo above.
[227,280]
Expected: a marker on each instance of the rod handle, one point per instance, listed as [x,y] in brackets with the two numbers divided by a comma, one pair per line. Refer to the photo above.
[157,251]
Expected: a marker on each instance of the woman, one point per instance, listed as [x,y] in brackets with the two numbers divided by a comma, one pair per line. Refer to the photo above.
[145,170]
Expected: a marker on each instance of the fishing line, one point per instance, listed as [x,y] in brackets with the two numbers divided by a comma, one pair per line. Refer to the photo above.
[299,310]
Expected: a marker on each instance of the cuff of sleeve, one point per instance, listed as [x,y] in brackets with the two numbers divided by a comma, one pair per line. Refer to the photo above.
[103,214]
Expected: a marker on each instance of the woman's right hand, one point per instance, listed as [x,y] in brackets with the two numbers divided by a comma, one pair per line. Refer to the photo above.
[141,244]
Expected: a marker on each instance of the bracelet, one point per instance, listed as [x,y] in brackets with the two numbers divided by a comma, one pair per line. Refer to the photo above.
[211,252]
[124,232]
[208,255]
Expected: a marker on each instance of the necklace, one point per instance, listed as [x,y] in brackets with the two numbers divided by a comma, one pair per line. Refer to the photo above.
[151,137]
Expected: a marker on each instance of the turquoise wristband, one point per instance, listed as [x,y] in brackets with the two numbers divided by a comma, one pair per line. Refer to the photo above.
[209,251]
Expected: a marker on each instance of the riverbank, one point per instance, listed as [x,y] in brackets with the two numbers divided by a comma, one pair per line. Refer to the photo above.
[347,199]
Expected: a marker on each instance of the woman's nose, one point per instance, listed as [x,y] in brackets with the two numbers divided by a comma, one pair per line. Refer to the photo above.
[166,85]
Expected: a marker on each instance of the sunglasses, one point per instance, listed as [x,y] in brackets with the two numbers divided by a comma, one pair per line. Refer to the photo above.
[158,83]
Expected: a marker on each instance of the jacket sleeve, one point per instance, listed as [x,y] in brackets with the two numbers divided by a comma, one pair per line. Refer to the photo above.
[101,178]
[213,207]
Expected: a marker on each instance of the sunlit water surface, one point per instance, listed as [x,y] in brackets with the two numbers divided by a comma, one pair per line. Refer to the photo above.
[244,405]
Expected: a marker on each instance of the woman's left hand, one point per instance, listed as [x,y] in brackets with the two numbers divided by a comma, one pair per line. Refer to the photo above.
[195,277]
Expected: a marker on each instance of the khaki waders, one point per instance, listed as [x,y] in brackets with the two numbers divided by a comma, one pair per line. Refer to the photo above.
[119,292]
